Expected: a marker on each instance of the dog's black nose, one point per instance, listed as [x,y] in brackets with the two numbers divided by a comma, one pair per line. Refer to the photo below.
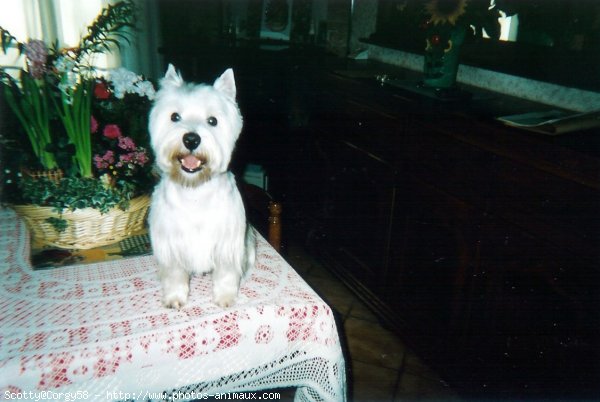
[191,141]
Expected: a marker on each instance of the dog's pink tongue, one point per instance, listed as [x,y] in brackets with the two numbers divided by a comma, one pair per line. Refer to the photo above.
[190,162]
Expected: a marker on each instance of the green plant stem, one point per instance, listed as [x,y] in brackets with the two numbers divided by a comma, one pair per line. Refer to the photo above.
[76,117]
[31,108]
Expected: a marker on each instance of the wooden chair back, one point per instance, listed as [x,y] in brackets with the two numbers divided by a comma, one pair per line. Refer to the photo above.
[263,212]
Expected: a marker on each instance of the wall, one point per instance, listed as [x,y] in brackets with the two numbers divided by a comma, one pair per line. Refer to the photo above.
[363,24]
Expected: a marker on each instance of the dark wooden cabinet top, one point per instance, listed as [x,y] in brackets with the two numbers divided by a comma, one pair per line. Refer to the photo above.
[548,185]
[358,82]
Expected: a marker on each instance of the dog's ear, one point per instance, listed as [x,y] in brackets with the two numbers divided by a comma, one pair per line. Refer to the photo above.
[172,78]
[226,83]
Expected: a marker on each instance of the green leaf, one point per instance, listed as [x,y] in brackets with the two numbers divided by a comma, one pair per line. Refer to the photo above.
[60,225]
[76,193]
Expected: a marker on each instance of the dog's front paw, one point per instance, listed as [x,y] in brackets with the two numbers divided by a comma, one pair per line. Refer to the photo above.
[175,286]
[226,283]
[225,300]
[174,302]
[175,296]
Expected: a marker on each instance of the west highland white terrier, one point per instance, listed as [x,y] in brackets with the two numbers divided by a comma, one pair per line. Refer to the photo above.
[197,218]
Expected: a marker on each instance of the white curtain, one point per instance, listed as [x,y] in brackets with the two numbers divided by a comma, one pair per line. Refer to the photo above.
[141,54]
[66,22]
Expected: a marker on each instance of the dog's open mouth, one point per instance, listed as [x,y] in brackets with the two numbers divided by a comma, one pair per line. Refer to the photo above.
[191,163]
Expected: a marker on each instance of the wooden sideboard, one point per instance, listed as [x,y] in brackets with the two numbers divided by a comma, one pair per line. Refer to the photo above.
[476,242]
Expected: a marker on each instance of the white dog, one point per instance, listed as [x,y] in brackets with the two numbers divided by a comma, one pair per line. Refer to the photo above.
[197,219]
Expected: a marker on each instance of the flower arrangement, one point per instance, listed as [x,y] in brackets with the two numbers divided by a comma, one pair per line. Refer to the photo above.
[476,14]
[89,124]
[118,157]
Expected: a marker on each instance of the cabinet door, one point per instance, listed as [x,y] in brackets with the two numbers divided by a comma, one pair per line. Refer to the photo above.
[538,322]
[434,256]
[360,212]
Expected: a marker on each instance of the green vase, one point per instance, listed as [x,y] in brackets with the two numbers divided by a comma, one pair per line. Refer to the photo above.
[442,51]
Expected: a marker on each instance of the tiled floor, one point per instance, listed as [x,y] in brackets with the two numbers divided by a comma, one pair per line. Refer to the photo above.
[380,366]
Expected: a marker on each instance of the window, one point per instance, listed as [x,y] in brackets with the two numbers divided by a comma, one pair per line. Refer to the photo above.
[64,21]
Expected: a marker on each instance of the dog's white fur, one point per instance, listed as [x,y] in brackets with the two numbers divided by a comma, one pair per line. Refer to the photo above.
[197,218]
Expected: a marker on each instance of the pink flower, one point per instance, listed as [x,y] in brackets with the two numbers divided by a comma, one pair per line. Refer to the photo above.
[104,161]
[94,125]
[37,70]
[99,162]
[36,53]
[112,131]
[126,158]
[109,156]
[126,143]
[141,158]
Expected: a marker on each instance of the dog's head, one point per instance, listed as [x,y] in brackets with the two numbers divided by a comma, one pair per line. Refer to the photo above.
[194,127]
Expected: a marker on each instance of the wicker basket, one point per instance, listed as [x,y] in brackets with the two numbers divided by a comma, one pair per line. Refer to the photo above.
[86,228]
[54,175]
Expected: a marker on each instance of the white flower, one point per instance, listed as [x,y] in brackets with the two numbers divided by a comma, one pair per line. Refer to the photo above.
[64,64]
[65,67]
[124,81]
[67,84]
[145,88]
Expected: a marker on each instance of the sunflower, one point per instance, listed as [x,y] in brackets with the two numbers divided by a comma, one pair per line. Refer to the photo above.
[442,11]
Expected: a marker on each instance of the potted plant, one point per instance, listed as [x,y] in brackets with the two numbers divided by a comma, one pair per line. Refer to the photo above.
[85,124]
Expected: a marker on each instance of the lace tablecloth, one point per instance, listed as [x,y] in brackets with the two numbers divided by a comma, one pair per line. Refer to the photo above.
[99,332]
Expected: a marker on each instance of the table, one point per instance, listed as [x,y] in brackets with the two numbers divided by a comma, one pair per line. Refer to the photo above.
[99,332]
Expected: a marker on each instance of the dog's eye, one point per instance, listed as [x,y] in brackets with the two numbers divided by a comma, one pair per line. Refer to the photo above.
[212,120]
[175,117]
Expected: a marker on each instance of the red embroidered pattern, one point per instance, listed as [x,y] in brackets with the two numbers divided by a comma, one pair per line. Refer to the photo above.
[102,326]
